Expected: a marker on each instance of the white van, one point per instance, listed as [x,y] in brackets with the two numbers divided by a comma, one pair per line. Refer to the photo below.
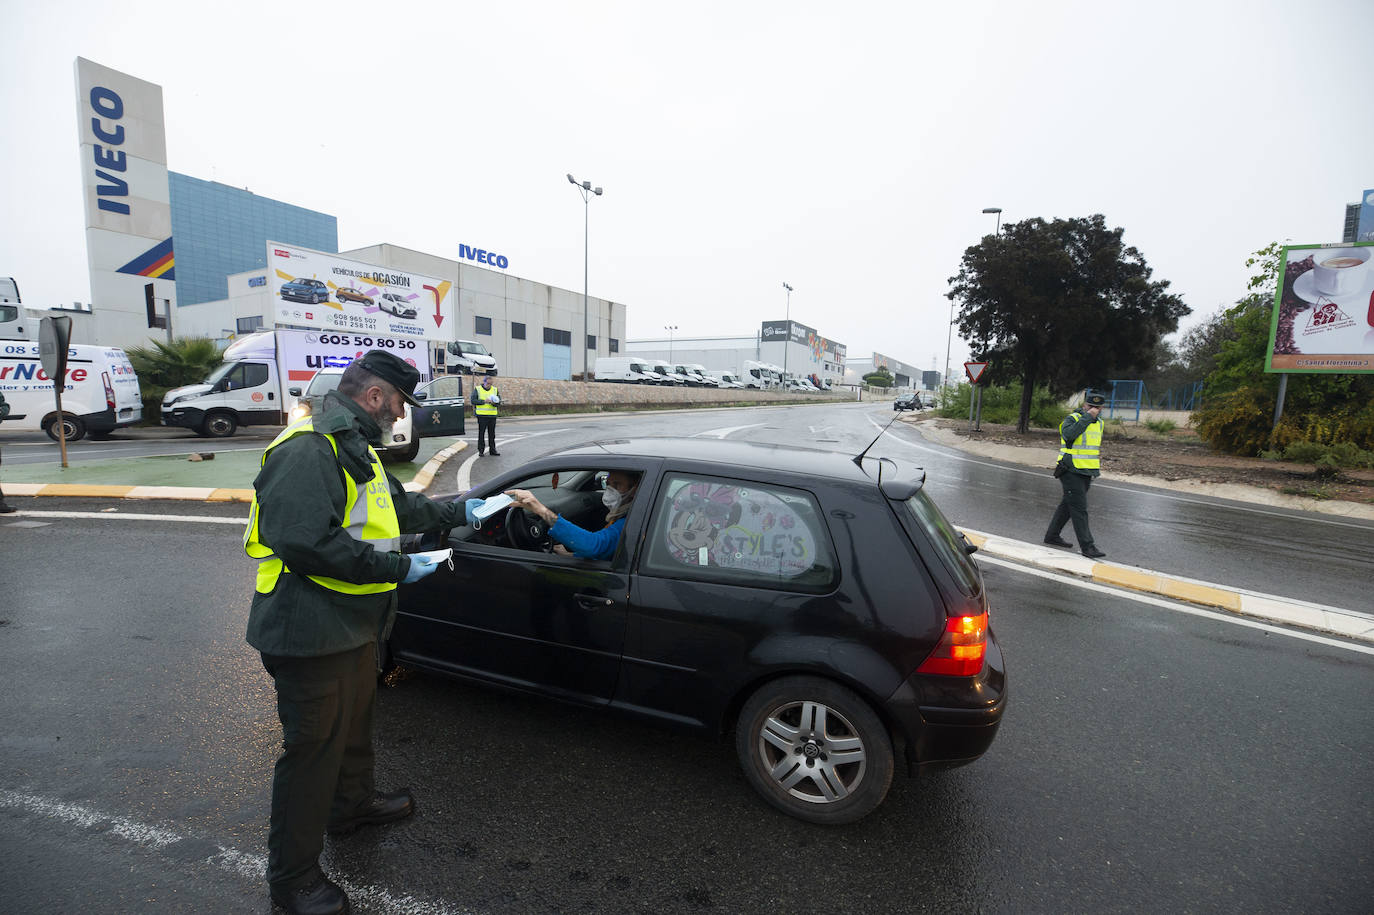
[101,393]
[729,380]
[624,369]
[468,357]
[670,373]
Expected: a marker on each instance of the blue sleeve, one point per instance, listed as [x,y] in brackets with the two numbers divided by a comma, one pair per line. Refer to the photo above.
[586,544]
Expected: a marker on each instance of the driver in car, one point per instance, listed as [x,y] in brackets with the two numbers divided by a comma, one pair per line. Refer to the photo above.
[618,497]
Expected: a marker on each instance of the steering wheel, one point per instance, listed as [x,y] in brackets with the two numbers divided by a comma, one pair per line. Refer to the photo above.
[527,531]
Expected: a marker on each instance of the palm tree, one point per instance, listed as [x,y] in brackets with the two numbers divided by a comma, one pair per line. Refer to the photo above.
[171,365]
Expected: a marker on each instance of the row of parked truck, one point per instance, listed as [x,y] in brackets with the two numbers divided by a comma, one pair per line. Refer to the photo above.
[653,371]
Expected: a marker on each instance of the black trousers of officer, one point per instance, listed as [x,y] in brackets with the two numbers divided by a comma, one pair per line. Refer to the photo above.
[1073,504]
[325,771]
[486,425]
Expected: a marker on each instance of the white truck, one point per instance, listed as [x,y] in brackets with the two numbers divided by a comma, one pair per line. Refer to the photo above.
[761,375]
[100,395]
[264,374]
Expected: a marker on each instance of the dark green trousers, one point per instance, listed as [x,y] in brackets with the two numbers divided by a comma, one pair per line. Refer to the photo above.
[1073,504]
[324,773]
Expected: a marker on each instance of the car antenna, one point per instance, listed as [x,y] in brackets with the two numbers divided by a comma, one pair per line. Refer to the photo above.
[859,458]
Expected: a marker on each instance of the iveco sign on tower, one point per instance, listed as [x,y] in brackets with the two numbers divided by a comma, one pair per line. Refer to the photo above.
[127,203]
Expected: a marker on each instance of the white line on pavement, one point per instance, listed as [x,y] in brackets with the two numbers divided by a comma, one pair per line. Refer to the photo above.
[464,477]
[229,860]
[722,432]
[128,516]
[1174,606]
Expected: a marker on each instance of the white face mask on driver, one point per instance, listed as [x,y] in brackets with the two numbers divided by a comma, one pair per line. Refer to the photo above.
[611,498]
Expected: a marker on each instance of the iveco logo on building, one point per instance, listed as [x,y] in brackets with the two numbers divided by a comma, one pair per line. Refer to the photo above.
[483,257]
[109,108]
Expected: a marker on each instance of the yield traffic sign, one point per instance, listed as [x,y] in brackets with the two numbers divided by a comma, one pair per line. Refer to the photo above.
[975,370]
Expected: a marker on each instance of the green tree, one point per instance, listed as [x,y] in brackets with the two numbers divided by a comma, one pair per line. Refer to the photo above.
[879,378]
[164,366]
[1061,303]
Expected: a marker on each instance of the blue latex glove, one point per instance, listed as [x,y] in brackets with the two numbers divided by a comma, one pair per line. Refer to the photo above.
[419,568]
[470,505]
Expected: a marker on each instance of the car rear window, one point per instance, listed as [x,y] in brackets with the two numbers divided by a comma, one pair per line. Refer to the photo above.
[948,543]
[740,533]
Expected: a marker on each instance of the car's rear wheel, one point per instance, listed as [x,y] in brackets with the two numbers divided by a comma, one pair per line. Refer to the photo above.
[814,750]
[73,429]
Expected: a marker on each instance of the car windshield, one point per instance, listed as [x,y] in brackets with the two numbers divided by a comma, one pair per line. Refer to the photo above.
[948,543]
[323,383]
[220,372]
[467,347]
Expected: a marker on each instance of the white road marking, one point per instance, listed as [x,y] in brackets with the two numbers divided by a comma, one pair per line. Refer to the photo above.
[1150,491]
[229,860]
[115,515]
[1175,606]
[722,432]
[464,479]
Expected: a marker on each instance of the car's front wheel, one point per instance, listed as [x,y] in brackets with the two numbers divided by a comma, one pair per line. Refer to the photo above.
[815,750]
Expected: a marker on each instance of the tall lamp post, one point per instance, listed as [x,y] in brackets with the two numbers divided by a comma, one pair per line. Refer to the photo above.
[670,328]
[587,191]
[949,337]
[786,334]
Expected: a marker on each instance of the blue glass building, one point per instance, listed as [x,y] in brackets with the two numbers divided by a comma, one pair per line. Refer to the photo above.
[218,230]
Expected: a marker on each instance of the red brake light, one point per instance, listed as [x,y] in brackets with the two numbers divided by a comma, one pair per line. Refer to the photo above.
[109,390]
[962,648]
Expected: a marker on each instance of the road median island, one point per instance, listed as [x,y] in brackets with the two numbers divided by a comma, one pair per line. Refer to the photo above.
[1348,623]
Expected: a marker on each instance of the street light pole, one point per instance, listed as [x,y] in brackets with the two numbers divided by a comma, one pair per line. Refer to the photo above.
[587,191]
[670,328]
[786,335]
[949,337]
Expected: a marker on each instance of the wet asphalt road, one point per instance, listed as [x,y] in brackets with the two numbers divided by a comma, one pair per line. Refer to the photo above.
[1149,759]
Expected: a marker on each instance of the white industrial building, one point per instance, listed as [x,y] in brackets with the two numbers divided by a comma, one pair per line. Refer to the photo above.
[534,330]
[799,350]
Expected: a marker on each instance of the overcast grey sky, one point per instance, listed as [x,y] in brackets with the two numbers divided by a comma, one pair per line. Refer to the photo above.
[846,149]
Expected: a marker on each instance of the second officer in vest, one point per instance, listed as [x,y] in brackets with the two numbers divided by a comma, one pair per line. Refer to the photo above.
[325,528]
[1080,457]
[485,398]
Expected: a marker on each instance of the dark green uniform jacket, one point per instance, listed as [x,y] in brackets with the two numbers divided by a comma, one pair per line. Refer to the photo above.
[301,498]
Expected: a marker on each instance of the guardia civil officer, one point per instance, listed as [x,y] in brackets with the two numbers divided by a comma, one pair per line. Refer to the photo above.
[485,398]
[325,527]
[1080,444]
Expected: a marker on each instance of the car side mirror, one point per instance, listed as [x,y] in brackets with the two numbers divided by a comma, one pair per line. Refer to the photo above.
[421,395]
[294,392]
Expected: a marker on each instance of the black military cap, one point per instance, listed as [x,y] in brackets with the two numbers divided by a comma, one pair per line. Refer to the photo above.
[395,370]
[1094,399]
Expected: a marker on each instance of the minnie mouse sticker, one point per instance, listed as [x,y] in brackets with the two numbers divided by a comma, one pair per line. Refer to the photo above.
[736,528]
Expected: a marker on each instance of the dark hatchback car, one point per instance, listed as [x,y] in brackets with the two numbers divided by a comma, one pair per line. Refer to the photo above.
[817,609]
[906,402]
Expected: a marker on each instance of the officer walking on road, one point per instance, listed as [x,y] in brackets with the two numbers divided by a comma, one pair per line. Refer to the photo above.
[1080,444]
[5,507]
[325,527]
[484,404]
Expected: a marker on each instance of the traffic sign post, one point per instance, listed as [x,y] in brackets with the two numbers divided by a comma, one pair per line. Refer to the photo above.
[54,341]
[975,371]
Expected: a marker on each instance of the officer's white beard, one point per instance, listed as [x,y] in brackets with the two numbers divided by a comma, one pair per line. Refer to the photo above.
[385,421]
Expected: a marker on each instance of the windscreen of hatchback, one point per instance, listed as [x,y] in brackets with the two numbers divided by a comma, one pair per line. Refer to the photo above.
[948,543]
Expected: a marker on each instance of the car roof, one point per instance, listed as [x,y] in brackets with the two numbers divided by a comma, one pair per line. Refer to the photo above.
[749,456]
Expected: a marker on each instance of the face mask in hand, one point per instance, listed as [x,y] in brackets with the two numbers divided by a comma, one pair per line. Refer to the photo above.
[610,498]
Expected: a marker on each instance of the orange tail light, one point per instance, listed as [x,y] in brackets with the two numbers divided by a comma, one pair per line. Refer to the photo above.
[962,648]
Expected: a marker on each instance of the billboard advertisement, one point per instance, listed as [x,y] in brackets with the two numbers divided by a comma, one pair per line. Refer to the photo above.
[127,201]
[300,354]
[329,292]
[1323,317]
[1365,230]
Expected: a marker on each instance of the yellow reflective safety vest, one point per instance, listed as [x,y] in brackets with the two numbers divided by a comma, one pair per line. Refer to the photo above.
[1086,451]
[370,516]
[482,406]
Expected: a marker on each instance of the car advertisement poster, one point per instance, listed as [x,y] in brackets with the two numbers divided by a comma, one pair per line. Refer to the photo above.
[329,292]
[1324,310]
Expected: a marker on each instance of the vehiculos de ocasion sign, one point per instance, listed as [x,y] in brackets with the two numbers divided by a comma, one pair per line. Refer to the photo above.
[315,289]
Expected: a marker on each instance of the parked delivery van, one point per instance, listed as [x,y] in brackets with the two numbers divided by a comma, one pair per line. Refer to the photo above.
[101,391]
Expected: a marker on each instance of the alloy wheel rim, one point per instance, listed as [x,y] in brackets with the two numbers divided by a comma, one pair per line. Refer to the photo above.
[812,752]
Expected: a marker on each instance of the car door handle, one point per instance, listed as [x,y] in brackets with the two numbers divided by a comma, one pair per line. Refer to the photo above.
[592,601]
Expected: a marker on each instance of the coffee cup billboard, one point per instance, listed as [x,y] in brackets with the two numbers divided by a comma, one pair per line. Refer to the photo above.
[1323,310]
